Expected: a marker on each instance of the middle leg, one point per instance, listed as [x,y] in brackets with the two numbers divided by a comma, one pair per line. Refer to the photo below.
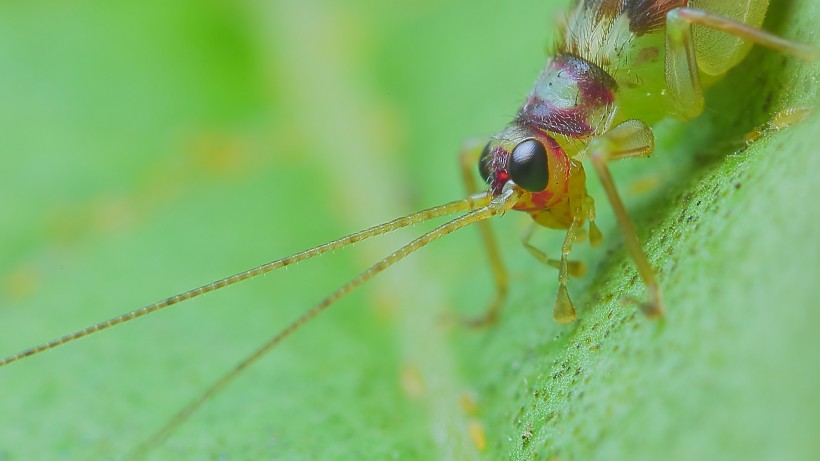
[631,138]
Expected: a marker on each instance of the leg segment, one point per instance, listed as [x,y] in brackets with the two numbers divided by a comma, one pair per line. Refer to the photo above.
[631,138]
[683,64]
[575,268]
[564,311]
[468,160]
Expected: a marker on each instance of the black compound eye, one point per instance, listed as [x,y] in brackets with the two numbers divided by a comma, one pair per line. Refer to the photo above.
[528,166]
[485,163]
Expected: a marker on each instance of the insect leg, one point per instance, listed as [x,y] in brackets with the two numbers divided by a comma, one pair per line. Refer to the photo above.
[682,66]
[779,121]
[631,138]
[468,160]
[595,236]
[574,268]
[564,311]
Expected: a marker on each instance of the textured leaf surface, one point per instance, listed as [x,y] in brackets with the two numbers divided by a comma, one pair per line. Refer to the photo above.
[152,147]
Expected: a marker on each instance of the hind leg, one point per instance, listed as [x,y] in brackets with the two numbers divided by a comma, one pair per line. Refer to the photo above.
[719,47]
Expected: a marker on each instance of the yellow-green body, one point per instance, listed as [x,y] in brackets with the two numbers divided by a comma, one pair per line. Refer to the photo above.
[619,67]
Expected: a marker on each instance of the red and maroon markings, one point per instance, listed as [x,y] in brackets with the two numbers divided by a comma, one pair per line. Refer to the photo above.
[572,97]
[498,168]
[649,15]
[644,15]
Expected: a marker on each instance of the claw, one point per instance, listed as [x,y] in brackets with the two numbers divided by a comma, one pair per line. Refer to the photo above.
[489,319]
[576,268]
[595,235]
[653,308]
[564,311]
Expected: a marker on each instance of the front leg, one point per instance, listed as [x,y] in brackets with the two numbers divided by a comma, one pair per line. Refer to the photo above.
[631,138]
[468,160]
[575,268]
[564,310]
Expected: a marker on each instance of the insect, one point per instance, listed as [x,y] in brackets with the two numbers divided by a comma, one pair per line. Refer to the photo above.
[410,374]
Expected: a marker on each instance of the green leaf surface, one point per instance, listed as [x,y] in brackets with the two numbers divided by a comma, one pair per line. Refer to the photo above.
[151,147]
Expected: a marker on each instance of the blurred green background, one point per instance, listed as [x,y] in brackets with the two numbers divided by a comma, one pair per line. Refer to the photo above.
[150,147]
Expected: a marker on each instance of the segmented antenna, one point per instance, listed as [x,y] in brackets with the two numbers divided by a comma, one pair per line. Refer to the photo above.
[498,205]
[468,204]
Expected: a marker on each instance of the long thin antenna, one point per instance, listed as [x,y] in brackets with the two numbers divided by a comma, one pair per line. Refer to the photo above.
[498,205]
[471,203]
